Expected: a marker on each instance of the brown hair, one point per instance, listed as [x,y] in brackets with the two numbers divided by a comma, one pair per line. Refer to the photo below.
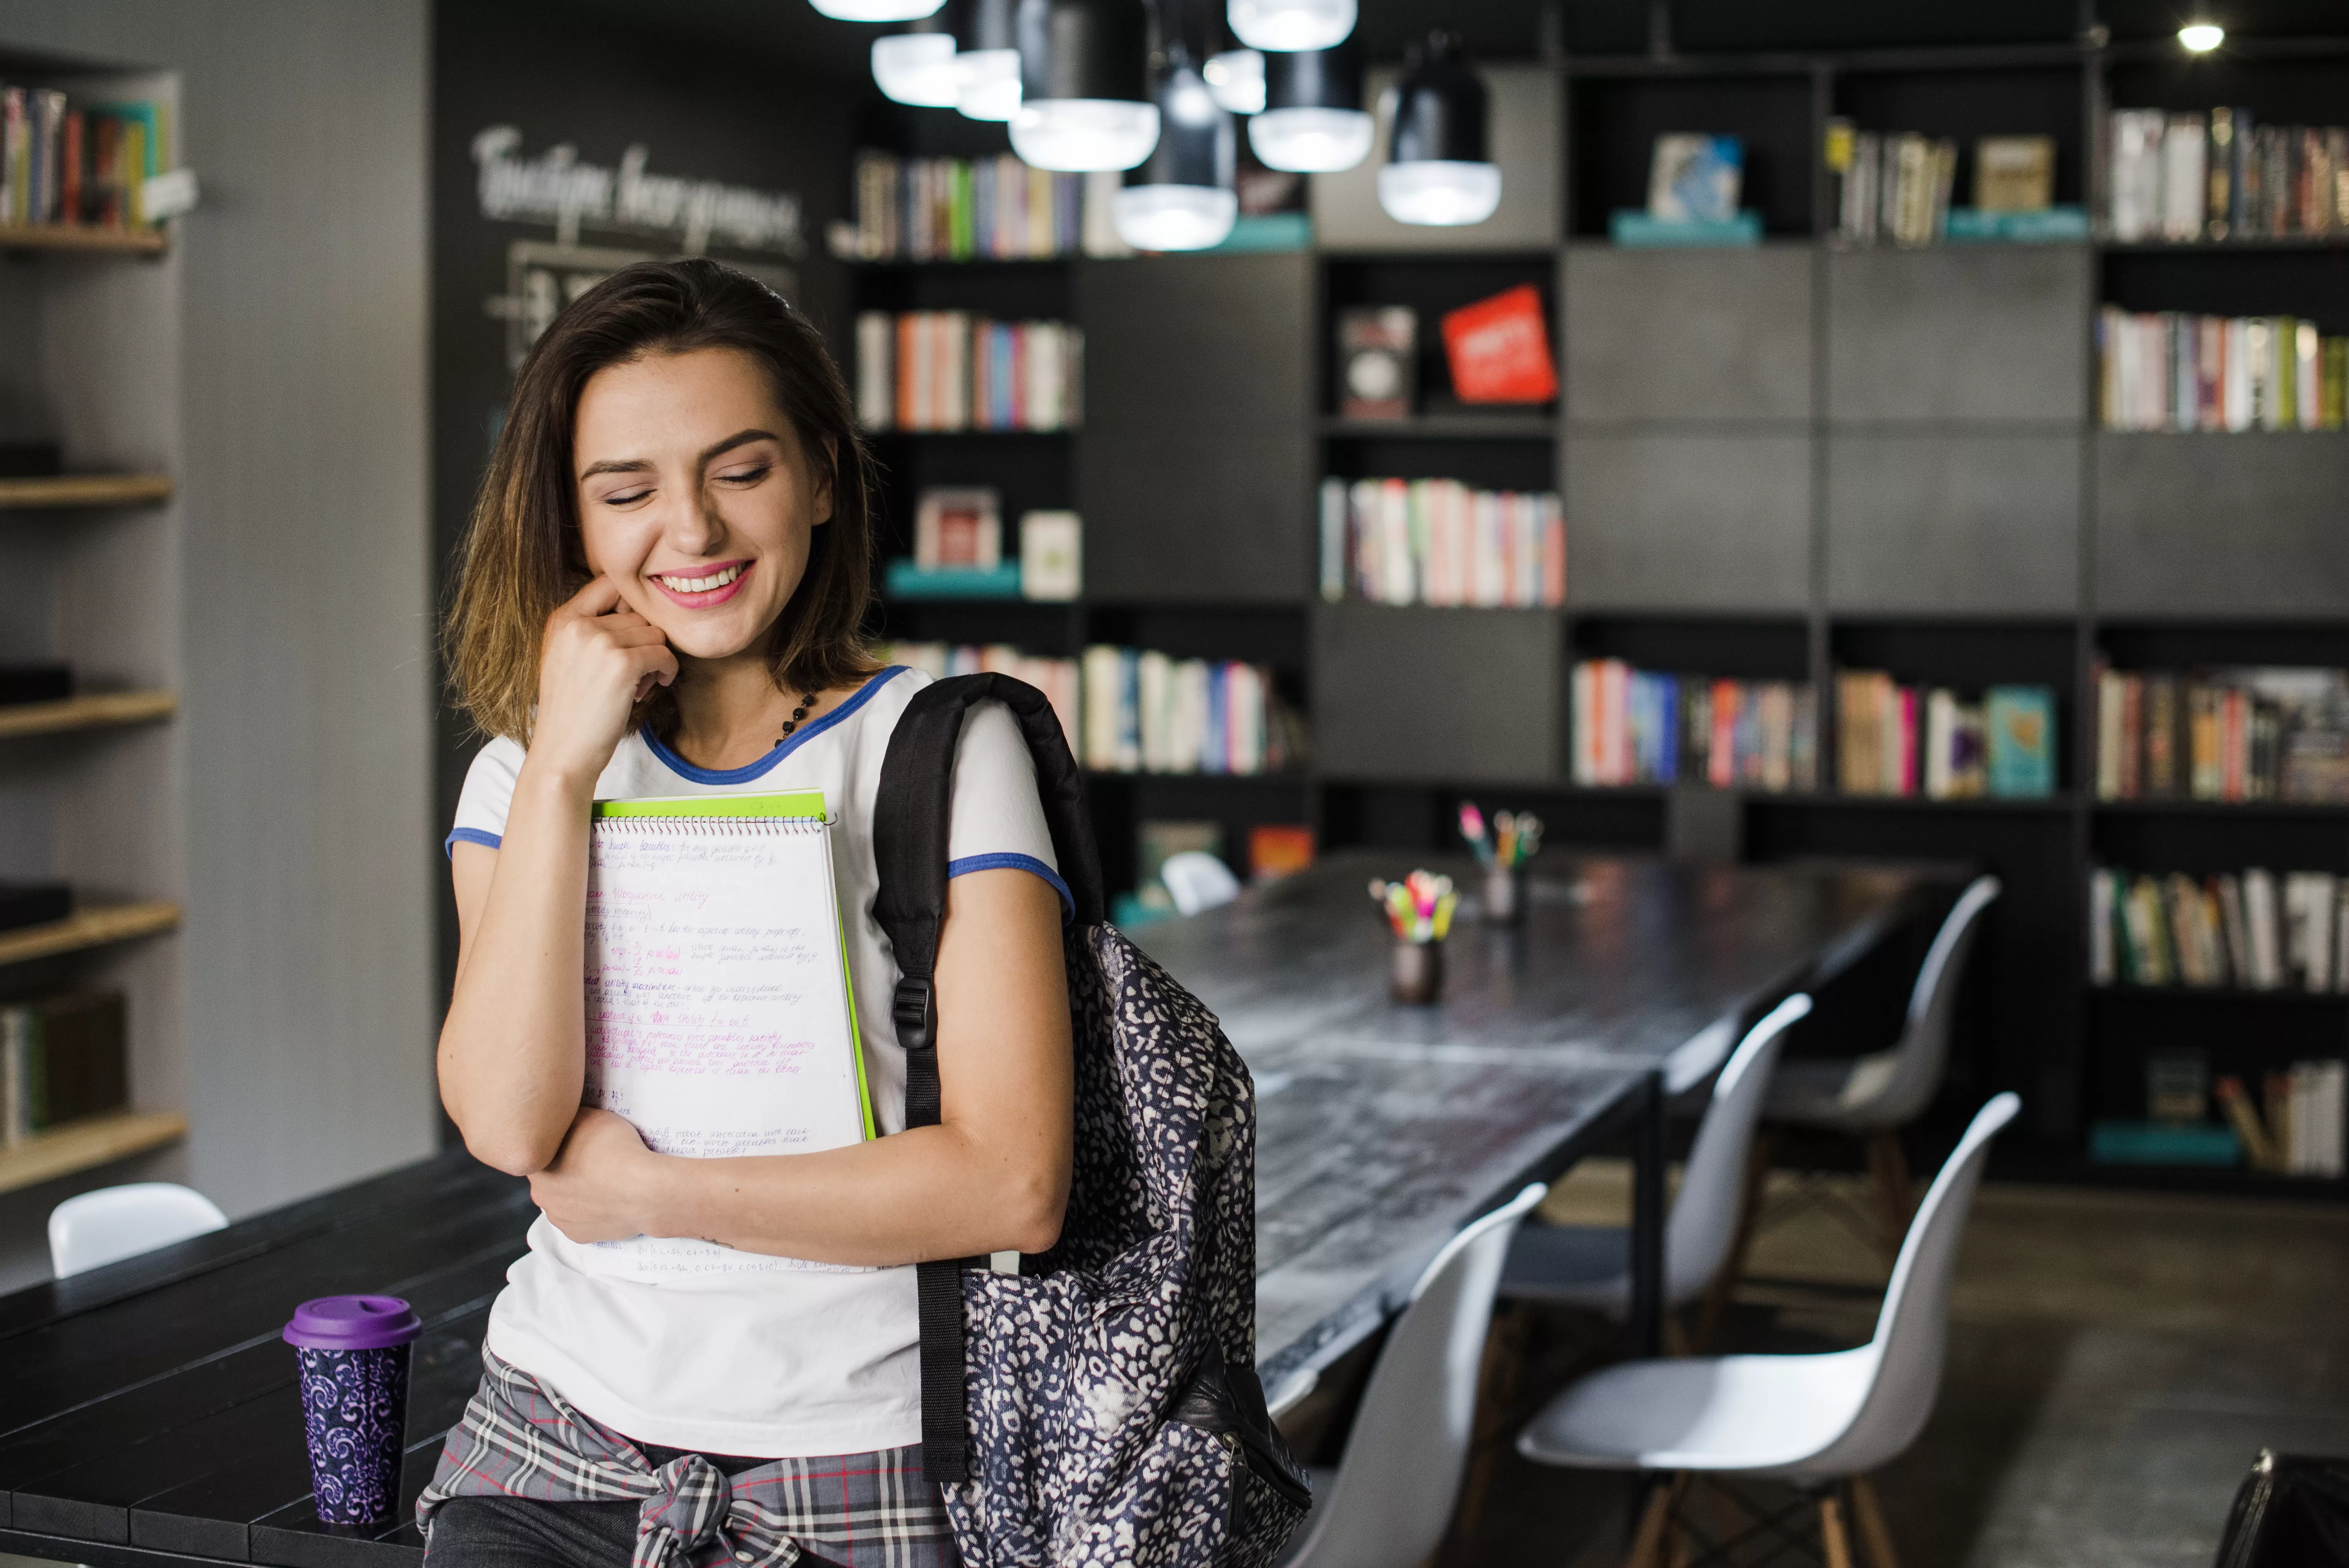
[523,555]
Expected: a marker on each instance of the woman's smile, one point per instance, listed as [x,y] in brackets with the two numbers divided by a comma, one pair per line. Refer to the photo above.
[703,587]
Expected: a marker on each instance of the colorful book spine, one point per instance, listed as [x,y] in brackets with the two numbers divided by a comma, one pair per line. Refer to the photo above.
[1437,541]
[1641,726]
[2169,371]
[952,371]
[961,209]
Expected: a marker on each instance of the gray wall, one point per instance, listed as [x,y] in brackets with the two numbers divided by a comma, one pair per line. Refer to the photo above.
[302,596]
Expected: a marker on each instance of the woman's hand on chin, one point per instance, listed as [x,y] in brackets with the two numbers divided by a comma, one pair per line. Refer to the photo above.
[600,1187]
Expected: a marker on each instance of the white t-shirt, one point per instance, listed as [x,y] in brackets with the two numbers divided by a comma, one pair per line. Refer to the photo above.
[767,1364]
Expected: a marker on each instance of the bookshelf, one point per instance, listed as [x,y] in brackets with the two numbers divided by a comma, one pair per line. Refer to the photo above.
[91,563]
[1776,461]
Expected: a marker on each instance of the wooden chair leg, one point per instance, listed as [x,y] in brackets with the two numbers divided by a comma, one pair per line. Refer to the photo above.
[1871,1517]
[1648,1545]
[1834,1545]
[1717,1295]
[1505,1358]
[1888,1165]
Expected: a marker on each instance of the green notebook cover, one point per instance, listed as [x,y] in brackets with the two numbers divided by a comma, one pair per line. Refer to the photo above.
[801,804]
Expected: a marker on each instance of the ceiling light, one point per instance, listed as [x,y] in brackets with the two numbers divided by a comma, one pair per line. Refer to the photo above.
[916,69]
[1313,120]
[875,10]
[1084,104]
[1291,23]
[1237,78]
[1437,171]
[986,62]
[1182,196]
[2201,37]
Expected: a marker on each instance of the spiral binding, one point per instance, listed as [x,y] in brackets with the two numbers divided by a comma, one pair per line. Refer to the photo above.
[713,827]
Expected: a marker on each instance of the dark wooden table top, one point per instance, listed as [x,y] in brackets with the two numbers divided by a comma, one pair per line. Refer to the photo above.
[148,1412]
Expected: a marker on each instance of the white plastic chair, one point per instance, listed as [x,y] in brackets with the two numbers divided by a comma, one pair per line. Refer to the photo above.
[116,1223]
[1821,1420]
[1590,1265]
[1390,1501]
[1196,881]
[1870,1098]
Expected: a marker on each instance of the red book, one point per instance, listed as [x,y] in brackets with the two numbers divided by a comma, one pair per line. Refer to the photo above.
[1499,349]
[70,185]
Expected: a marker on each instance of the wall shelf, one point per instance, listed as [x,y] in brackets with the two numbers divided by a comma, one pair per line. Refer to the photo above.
[77,237]
[87,928]
[87,1144]
[96,711]
[1443,427]
[84,489]
[2142,808]
[2231,995]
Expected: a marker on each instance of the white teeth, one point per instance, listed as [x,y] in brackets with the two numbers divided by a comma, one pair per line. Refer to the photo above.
[702,584]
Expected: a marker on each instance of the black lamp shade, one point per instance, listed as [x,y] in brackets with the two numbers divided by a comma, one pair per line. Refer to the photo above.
[1083,49]
[1314,78]
[1440,107]
[1198,142]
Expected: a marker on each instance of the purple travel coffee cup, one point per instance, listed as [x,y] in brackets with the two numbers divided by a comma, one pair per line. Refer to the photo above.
[355,1351]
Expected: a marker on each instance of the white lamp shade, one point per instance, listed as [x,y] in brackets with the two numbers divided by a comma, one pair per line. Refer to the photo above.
[1440,191]
[876,10]
[1084,136]
[1312,140]
[1236,78]
[916,69]
[1291,23]
[1174,217]
[987,83]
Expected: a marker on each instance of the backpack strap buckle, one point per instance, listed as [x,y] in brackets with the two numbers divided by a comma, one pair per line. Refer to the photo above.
[914,1008]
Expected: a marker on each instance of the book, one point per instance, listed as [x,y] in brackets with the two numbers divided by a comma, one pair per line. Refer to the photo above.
[2019,727]
[1378,362]
[61,1059]
[1051,556]
[1641,726]
[2258,1148]
[952,370]
[2014,173]
[1498,349]
[2216,175]
[1436,541]
[720,1017]
[1695,177]
[951,209]
[959,527]
[2248,733]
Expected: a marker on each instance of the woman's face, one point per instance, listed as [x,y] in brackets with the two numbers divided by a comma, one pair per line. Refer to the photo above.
[697,496]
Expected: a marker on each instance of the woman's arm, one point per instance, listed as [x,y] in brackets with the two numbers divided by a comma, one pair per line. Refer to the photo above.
[993,1176]
[513,1050]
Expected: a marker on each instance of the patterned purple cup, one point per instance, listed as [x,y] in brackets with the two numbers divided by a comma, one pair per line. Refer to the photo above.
[355,1351]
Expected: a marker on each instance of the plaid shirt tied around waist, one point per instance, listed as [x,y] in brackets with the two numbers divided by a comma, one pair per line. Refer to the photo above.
[519,1438]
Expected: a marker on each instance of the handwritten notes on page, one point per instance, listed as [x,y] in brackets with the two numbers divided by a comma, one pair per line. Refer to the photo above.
[718,1020]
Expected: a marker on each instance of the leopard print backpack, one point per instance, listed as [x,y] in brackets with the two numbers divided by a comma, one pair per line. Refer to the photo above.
[1101,1407]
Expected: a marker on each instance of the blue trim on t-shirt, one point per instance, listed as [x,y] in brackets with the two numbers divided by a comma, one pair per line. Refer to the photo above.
[791,743]
[1006,859]
[482,836]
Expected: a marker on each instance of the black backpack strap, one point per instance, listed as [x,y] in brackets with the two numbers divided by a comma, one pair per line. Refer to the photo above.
[912,817]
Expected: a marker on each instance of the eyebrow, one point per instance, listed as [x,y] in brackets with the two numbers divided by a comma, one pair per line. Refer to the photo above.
[642,465]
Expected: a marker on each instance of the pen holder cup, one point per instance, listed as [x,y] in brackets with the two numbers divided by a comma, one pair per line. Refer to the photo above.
[1415,972]
[1504,894]
[354,1352]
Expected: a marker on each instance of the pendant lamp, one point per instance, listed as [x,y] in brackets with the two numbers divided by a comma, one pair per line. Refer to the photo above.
[1313,120]
[875,10]
[1182,198]
[917,66]
[986,61]
[1084,101]
[1437,171]
[1291,23]
[1237,78]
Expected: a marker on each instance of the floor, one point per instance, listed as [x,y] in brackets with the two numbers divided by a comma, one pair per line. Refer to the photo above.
[2115,1361]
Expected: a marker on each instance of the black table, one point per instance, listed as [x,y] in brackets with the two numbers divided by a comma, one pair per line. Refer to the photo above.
[147,1410]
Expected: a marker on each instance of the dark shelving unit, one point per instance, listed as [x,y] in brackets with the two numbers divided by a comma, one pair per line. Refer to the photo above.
[1776,461]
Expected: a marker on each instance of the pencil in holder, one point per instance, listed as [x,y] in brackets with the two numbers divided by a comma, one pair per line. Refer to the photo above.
[1505,893]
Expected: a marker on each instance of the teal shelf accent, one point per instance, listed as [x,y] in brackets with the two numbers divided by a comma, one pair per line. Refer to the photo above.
[907,581]
[1636,230]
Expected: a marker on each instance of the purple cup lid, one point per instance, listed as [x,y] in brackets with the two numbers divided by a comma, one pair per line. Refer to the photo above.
[353,1323]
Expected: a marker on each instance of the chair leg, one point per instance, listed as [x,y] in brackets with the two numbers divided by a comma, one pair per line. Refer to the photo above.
[1656,1522]
[1878,1539]
[1732,1272]
[1835,1543]
[1505,1358]
[1889,1167]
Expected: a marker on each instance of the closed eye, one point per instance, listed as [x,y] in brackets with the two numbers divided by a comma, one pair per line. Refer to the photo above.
[746,477]
[626,497]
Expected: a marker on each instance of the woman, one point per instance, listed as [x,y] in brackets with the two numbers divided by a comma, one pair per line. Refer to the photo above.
[661,595]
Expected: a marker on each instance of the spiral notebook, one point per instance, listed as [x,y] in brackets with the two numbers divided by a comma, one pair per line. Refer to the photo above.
[719,1016]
